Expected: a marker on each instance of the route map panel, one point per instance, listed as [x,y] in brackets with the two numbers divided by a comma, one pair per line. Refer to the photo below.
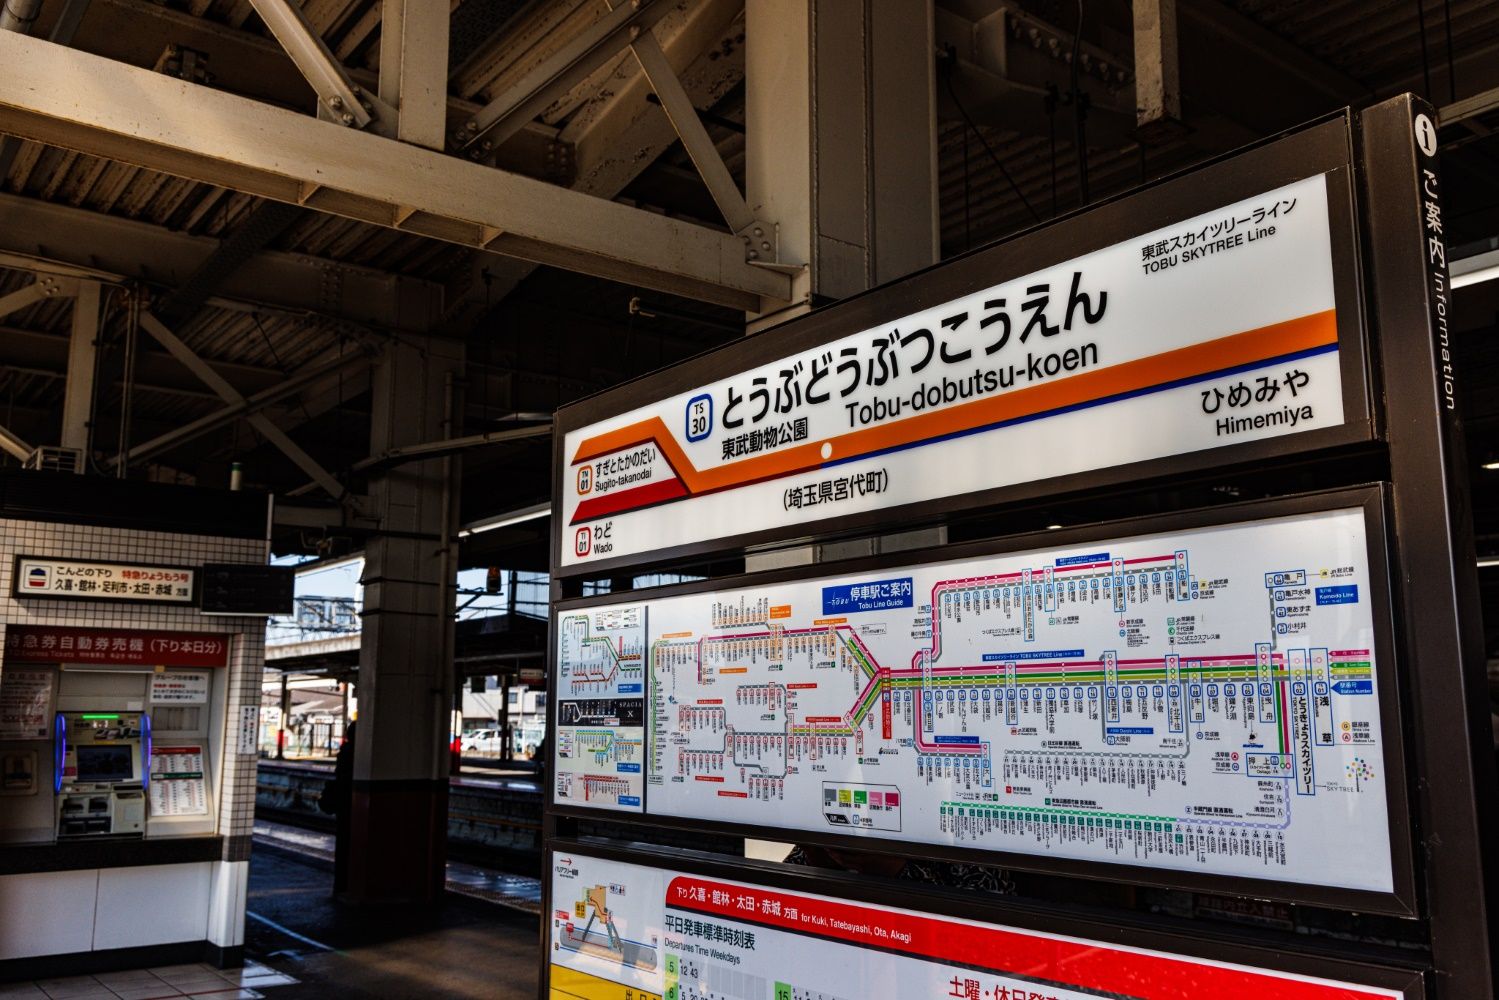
[600,708]
[622,930]
[1203,701]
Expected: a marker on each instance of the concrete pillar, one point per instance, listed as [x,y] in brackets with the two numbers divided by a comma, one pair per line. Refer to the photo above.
[841,140]
[406,688]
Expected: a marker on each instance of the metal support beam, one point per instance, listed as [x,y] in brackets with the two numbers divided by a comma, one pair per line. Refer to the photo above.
[46,286]
[59,240]
[46,354]
[1158,102]
[61,33]
[254,66]
[684,119]
[248,406]
[832,90]
[196,132]
[339,99]
[1279,84]
[19,15]
[1003,59]
[83,347]
[508,113]
[414,68]
[435,449]
[68,19]
[12,444]
[620,134]
[449,446]
[230,395]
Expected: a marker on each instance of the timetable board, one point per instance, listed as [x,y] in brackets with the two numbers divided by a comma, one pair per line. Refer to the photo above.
[177,784]
[1204,701]
[619,929]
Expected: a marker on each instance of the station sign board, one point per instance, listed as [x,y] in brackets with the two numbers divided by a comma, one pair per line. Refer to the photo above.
[91,580]
[1207,698]
[628,928]
[1221,311]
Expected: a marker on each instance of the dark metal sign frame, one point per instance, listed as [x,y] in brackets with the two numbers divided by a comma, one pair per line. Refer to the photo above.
[1399,387]
[1317,149]
[1400,902]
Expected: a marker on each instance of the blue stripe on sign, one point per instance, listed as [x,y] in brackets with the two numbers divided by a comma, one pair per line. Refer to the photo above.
[1132,394]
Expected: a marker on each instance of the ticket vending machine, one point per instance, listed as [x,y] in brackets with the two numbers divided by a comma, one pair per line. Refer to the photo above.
[101,776]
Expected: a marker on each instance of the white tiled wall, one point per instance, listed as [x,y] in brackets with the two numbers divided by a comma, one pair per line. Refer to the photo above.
[247,651]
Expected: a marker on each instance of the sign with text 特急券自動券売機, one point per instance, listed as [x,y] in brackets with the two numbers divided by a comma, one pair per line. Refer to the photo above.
[1233,324]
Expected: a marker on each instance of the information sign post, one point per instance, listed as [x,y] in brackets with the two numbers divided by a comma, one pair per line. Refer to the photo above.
[1280,700]
[1443,639]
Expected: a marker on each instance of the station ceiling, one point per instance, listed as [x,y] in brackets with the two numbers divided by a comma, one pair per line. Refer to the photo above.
[266,291]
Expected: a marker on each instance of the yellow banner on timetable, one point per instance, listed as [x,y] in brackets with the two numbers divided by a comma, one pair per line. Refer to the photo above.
[570,984]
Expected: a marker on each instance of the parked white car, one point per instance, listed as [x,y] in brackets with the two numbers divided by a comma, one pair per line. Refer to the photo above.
[483,741]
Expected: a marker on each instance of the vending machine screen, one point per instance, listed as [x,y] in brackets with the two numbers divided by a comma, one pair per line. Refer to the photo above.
[104,763]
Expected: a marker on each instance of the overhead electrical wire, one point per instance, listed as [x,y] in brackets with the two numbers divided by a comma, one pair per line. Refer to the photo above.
[1451,68]
[1425,57]
[952,92]
[1079,113]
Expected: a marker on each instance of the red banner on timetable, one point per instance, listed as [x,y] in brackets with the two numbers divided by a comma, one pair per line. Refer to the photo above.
[1093,967]
[126,647]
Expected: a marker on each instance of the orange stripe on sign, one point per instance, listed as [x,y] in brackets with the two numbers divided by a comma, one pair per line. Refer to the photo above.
[1303,334]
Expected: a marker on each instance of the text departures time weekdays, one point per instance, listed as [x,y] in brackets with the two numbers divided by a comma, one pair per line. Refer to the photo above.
[1215,330]
[1197,701]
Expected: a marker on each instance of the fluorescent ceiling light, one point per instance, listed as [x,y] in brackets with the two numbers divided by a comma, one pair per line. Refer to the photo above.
[1488,561]
[505,520]
[1474,277]
[1472,270]
[1491,466]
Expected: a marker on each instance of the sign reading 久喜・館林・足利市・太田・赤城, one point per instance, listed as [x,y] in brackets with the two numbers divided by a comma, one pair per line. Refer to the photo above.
[87,580]
[1212,331]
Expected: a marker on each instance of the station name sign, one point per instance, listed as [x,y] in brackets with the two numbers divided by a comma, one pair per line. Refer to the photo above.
[87,580]
[1214,330]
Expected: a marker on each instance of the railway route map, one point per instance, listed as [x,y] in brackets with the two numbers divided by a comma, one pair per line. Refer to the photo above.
[600,708]
[1202,701]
